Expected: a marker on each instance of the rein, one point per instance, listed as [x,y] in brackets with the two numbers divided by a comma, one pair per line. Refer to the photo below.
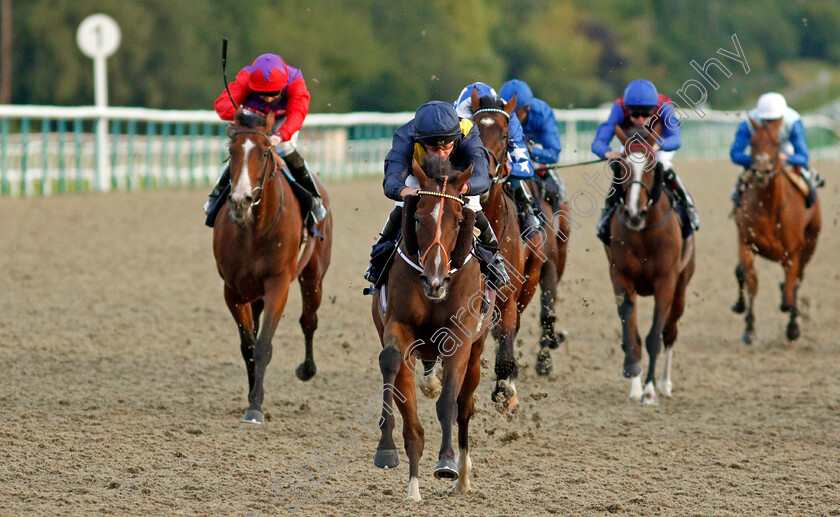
[649,204]
[552,167]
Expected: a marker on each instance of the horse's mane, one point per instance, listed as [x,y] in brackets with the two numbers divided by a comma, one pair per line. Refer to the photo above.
[249,119]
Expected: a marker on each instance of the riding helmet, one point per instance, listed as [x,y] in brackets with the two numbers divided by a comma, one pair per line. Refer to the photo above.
[268,74]
[436,123]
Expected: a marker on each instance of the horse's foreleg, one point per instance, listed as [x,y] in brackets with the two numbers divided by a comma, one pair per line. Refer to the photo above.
[276,293]
[465,413]
[243,316]
[663,291]
[789,288]
[311,291]
[398,387]
[747,278]
[626,301]
[549,339]
[503,390]
[454,369]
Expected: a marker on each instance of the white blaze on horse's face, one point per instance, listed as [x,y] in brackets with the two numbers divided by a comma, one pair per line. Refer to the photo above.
[637,162]
[243,187]
[487,121]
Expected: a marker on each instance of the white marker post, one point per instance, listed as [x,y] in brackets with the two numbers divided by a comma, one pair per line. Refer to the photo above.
[98,37]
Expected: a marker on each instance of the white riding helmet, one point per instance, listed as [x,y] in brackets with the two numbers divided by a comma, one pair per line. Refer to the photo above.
[771,106]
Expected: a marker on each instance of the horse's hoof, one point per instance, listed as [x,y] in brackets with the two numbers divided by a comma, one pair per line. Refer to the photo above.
[253,416]
[504,396]
[560,338]
[387,459]
[793,331]
[649,399]
[430,386]
[749,337]
[631,370]
[544,364]
[446,469]
[305,370]
[739,307]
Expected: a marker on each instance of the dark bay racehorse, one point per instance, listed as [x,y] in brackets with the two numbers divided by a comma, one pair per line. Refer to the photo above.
[647,256]
[433,307]
[256,243]
[523,260]
[772,220]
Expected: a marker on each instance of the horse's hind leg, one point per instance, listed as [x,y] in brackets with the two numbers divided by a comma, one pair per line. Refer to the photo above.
[747,277]
[664,298]
[311,292]
[550,339]
[503,390]
[243,316]
[465,413]
[669,332]
[256,309]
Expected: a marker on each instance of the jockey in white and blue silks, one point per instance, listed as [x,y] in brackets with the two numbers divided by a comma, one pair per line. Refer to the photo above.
[518,159]
[640,104]
[794,151]
[541,136]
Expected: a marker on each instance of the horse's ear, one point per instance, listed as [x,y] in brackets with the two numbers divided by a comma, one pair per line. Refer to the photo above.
[510,104]
[476,103]
[419,174]
[622,137]
[462,178]
[755,125]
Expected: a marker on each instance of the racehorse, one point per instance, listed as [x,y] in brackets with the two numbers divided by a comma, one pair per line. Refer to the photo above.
[256,246]
[772,220]
[433,307]
[647,256]
[522,259]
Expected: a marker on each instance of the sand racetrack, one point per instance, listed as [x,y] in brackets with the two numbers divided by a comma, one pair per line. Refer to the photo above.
[122,385]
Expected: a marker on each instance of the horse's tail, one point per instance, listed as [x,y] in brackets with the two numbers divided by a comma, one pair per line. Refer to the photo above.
[305,254]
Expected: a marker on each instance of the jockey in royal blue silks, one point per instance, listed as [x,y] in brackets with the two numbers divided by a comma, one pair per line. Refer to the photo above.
[641,103]
[269,85]
[437,129]
[794,151]
[541,136]
[518,159]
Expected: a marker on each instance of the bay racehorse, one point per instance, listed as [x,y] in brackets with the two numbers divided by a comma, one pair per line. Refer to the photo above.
[523,259]
[256,242]
[647,256]
[434,307]
[773,221]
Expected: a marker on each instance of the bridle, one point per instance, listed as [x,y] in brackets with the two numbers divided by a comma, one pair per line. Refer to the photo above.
[495,176]
[443,196]
[266,177]
[650,203]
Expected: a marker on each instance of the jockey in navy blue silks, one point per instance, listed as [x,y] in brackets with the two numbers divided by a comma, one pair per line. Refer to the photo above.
[519,161]
[541,136]
[640,103]
[794,151]
[437,129]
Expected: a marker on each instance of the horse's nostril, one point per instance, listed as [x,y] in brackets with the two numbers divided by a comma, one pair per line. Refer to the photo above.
[249,198]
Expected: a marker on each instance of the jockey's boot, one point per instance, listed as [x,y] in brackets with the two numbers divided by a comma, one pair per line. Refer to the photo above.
[677,186]
[381,252]
[814,181]
[221,183]
[492,264]
[297,166]
[555,190]
[529,223]
[738,190]
[602,230]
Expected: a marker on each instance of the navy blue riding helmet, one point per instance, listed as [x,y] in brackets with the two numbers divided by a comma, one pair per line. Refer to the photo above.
[436,123]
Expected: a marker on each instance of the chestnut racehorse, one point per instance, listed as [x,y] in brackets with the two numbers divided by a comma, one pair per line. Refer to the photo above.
[433,307]
[523,259]
[256,244]
[647,256]
[773,221]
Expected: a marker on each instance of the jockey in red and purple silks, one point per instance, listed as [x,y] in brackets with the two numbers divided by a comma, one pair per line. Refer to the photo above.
[269,85]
